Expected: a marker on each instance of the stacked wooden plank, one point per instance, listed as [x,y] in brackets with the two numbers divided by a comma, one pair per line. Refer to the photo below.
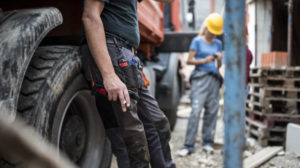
[272,103]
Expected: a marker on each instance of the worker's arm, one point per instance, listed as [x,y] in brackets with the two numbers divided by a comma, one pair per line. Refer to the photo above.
[192,61]
[220,57]
[97,44]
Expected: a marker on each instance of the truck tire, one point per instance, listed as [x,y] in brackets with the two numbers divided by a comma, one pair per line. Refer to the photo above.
[168,87]
[56,100]
[171,112]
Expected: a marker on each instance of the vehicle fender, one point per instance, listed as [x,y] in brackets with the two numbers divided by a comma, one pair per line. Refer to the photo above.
[160,66]
[164,87]
[21,32]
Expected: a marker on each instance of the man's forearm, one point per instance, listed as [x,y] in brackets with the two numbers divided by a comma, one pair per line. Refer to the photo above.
[97,44]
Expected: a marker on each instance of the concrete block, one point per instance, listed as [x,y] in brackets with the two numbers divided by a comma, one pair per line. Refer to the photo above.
[293,138]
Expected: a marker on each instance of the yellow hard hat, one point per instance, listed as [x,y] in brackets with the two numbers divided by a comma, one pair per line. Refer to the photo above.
[214,23]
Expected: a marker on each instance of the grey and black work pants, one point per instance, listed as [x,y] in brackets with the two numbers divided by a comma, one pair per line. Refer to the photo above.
[204,94]
[140,135]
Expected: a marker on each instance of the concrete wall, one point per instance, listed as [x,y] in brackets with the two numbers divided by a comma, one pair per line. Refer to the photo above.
[202,10]
[263,31]
[292,138]
[259,28]
[252,31]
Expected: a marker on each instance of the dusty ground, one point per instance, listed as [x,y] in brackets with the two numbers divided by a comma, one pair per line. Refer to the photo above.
[200,159]
[288,160]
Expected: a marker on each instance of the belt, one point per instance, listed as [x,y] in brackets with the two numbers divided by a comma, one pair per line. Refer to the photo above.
[120,43]
[116,42]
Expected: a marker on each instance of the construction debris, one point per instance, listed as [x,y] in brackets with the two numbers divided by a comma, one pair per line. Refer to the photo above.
[292,139]
[261,157]
[201,159]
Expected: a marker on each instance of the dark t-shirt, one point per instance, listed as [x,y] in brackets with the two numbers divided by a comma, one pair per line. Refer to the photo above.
[119,18]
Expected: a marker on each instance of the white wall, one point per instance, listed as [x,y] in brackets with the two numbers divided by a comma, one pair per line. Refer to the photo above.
[259,28]
[202,9]
[251,30]
[264,25]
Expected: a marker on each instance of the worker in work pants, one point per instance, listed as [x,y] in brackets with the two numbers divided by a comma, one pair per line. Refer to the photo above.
[155,121]
[204,93]
[140,135]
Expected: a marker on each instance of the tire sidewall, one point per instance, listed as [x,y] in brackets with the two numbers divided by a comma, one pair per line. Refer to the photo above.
[62,84]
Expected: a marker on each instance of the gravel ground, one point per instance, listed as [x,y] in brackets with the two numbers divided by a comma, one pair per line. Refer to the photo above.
[200,159]
[288,160]
[215,160]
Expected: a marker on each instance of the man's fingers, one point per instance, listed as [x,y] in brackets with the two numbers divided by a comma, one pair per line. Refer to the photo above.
[114,96]
[122,101]
[127,97]
[109,96]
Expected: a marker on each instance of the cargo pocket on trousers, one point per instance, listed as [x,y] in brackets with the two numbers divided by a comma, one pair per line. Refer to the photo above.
[129,68]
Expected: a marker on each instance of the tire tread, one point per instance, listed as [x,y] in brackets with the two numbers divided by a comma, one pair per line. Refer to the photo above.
[37,73]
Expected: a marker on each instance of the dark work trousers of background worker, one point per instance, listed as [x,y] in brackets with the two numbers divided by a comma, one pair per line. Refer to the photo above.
[143,129]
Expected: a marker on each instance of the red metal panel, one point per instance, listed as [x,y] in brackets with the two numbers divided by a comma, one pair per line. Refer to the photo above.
[151,23]
[175,15]
[150,16]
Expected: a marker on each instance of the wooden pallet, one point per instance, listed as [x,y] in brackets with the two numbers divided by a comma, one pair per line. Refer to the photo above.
[272,115]
[265,136]
[274,92]
[287,72]
[274,107]
[275,82]
[272,121]
[273,101]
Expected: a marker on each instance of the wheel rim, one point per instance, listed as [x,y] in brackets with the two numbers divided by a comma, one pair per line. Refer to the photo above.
[73,133]
[77,129]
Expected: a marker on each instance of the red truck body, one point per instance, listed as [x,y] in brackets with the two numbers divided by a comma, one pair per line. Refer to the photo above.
[150,17]
[151,23]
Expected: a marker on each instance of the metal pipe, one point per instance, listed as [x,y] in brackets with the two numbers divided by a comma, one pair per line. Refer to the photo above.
[235,72]
[290,31]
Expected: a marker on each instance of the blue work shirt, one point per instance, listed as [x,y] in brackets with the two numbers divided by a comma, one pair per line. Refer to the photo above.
[203,50]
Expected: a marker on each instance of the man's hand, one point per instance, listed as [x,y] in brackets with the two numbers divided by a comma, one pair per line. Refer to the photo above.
[116,89]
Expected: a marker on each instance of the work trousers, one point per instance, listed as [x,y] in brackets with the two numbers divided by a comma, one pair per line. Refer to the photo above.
[204,94]
[140,135]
